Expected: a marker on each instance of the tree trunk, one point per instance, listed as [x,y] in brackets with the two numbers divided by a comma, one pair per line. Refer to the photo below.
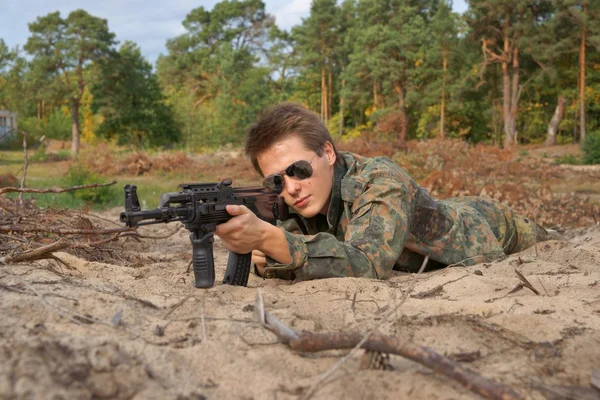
[323,93]
[555,122]
[582,79]
[75,129]
[403,117]
[324,96]
[509,125]
[329,99]
[514,94]
[508,136]
[443,106]
[342,103]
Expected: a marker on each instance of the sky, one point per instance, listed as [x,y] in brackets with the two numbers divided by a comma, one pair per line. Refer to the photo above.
[149,23]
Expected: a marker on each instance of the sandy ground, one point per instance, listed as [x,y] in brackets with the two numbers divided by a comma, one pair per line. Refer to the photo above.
[139,329]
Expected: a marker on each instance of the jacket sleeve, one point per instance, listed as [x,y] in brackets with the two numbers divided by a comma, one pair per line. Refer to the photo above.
[374,238]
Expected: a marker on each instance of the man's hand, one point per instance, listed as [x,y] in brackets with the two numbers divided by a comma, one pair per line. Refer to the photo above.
[245,233]
[260,260]
[242,233]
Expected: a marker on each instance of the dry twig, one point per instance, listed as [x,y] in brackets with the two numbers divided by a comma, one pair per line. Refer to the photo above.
[314,342]
[526,283]
[54,190]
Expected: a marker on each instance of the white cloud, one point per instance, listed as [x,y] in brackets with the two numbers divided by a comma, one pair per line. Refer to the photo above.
[290,13]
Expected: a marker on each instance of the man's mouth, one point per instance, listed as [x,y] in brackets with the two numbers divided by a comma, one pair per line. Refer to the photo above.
[301,202]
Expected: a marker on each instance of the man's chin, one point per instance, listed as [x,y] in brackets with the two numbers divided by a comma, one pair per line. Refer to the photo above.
[307,212]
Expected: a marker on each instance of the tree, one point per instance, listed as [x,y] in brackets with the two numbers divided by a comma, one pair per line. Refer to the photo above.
[62,49]
[389,53]
[445,32]
[501,26]
[212,70]
[127,95]
[316,38]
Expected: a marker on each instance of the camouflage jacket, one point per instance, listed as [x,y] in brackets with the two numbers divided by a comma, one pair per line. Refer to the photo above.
[380,219]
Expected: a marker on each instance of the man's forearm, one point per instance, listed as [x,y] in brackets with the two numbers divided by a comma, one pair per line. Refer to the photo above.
[275,245]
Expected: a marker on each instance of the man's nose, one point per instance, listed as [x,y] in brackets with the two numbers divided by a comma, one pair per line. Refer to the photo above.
[292,186]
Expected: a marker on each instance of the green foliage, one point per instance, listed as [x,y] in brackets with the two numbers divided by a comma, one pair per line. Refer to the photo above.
[568,159]
[42,156]
[100,196]
[62,51]
[591,148]
[131,103]
[389,66]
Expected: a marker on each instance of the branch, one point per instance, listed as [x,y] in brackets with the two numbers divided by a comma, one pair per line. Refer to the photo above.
[25,164]
[54,190]
[60,231]
[35,254]
[314,342]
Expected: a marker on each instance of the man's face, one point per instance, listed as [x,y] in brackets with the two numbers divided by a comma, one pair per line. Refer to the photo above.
[309,196]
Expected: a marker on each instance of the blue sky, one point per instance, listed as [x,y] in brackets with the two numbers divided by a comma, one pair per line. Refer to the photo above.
[149,23]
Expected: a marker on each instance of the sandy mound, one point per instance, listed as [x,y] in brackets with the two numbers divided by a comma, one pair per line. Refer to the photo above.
[139,329]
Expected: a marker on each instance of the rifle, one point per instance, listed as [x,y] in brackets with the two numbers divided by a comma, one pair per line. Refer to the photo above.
[201,207]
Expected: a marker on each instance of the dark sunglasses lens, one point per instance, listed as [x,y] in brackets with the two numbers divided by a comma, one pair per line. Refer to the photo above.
[300,169]
[274,182]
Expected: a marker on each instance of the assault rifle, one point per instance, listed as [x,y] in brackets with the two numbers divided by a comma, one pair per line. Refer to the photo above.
[201,207]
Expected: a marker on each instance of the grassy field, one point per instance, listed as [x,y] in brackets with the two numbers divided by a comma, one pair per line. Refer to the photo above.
[529,179]
[55,174]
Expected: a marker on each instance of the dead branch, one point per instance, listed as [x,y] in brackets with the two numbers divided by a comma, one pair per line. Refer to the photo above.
[36,254]
[25,164]
[166,236]
[358,345]
[314,342]
[54,190]
[526,283]
[434,291]
[60,231]
[176,305]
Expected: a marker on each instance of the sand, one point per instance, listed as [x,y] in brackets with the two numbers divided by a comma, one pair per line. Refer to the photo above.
[139,329]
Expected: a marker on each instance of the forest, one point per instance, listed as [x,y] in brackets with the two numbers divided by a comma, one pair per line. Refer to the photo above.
[504,72]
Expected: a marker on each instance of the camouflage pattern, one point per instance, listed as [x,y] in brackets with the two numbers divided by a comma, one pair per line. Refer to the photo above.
[380,219]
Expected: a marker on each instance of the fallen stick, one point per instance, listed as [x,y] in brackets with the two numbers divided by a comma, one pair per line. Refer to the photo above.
[36,254]
[358,345]
[54,190]
[314,342]
[61,231]
[25,164]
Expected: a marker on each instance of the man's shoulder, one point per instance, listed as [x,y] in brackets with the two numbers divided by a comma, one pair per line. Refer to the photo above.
[370,168]
[374,172]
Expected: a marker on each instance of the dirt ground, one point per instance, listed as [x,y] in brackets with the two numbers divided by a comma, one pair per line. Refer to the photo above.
[137,328]
[126,322]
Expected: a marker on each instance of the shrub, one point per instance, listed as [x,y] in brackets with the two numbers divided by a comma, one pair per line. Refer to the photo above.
[102,196]
[568,159]
[591,148]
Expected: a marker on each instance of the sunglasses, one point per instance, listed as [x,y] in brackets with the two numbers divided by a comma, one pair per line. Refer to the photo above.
[300,170]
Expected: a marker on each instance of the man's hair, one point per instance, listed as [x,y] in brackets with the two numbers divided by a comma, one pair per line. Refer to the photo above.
[281,121]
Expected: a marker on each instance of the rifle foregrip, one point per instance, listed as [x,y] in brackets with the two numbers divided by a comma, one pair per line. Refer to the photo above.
[203,261]
[238,269]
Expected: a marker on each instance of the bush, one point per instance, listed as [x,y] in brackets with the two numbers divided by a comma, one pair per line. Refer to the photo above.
[42,156]
[591,148]
[102,196]
[568,159]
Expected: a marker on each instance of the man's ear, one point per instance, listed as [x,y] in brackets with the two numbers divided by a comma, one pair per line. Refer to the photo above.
[329,152]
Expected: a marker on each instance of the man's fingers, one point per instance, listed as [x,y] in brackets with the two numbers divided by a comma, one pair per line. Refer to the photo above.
[233,209]
[259,258]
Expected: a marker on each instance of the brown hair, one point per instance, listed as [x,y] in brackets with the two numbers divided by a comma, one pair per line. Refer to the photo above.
[281,121]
